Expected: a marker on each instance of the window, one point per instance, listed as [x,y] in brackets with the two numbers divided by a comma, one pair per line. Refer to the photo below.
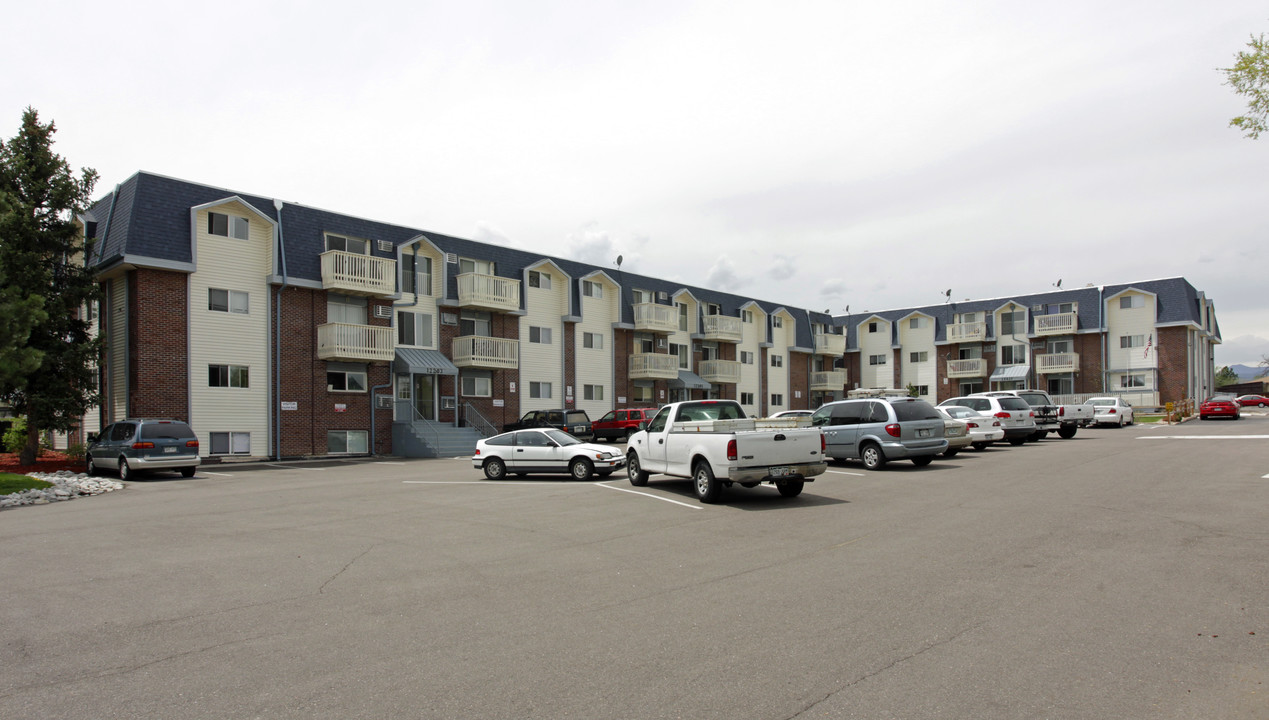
[477,386]
[592,341]
[227,225]
[416,274]
[680,351]
[539,280]
[1132,381]
[965,317]
[1013,354]
[777,321]
[345,377]
[592,392]
[777,399]
[643,393]
[466,265]
[1132,341]
[231,443]
[876,359]
[1012,323]
[540,390]
[475,322]
[346,442]
[746,316]
[919,357]
[592,289]
[644,342]
[914,323]
[682,315]
[227,301]
[640,297]
[345,309]
[872,327]
[746,398]
[540,335]
[414,328]
[969,352]
[227,376]
[1062,345]
[1128,302]
[923,389]
[746,357]
[347,244]
[777,361]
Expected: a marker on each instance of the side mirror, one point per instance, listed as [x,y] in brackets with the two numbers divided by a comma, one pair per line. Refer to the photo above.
[643,425]
[92,437]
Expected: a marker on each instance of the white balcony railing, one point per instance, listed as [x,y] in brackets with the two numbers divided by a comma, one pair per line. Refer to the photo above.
[1057,362]
[830,344]
[653,366]
[828,381]
[1059,324]
[488,292]
[348,342]
[966,332]
[722,328]
[358,274]
[479,351]
[720,371]
[969,367]
[651,317]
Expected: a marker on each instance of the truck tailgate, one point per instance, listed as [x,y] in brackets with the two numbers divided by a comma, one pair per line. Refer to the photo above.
[780,447]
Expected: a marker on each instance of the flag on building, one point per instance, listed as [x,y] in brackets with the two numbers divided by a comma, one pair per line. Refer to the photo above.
[1149,343]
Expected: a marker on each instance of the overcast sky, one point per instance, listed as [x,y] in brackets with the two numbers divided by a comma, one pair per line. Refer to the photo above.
[819,154]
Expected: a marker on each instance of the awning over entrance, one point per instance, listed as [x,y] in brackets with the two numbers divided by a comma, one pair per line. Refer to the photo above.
[426,362]
[1010,372]
[690,380]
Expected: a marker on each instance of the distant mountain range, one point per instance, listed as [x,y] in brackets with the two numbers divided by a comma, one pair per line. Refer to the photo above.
[1247,372]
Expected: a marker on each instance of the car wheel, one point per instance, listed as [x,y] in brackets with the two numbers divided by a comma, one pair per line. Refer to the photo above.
[792,488]
[92,467]
[634,470]
[1066,433]
[1017,441]
[187,472]
[630,433]
[125,472]
[581,469]
[923,461]
[951,452]
[705,484]
[495,469]
[1261,405]
[872,456]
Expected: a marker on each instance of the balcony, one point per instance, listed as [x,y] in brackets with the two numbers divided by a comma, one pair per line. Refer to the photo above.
[478,351]
[358,274]
[651,317]
[828,381]
[653,366]
[967,368]
[347,342]
[1057,363]
[830,344]
[967,332]
[1059,324]
[722,328]
[479,291]
[719,371]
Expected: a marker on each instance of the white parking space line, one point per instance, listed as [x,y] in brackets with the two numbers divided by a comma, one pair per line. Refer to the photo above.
[1264,477]
[216,474]
[843,472]
[650,495]
[1206,437]
[539,483]
[386,462]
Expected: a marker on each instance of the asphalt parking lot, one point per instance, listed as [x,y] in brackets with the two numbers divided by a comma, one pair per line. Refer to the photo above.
[1119,574]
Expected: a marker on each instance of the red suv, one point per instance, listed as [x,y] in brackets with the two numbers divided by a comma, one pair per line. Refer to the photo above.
[621,424]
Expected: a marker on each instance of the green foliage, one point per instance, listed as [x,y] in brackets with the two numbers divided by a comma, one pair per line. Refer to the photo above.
[11,483]
[1250,78]
[76,451]
[913,390]
[15,436]
[1226,376]
[47,283]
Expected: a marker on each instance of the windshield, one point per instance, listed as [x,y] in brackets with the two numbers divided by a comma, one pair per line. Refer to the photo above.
[1014,403]
[1102,402]
[563,438]
[709,411]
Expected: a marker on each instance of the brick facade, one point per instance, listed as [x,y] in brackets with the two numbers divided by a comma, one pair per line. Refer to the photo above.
[158,344]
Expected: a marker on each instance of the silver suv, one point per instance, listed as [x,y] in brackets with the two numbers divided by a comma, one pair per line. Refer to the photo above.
[1016,417]
[131,446]
[876,430]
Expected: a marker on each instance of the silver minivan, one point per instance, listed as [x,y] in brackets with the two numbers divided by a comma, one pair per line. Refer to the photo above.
[876,430]
[1016,417]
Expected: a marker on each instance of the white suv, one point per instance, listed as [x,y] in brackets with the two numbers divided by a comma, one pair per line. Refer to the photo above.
[1016,417]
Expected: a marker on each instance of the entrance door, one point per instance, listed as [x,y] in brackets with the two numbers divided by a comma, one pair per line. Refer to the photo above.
[425,396]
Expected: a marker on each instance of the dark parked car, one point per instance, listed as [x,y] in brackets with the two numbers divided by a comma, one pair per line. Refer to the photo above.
[573,422]
[131,446]
[621,424]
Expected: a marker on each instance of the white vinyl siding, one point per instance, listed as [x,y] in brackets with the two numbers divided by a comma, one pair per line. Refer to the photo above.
[229,338]
[1137,324]
[872,344]
[752,334]
[594,365]
[919,341]
[543,362]
[782,337]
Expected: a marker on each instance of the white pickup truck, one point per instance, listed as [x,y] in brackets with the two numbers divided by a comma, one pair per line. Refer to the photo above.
[1051,417]
[714,444]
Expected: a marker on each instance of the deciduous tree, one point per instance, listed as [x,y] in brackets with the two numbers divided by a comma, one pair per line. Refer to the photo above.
[1250,78]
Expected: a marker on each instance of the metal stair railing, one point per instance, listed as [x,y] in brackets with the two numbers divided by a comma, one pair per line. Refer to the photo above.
[478,421]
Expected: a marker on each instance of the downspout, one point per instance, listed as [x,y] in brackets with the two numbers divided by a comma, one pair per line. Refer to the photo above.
[277,341]
[1101,324]
[103,312]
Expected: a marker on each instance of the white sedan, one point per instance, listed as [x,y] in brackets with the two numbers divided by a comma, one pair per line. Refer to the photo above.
[983,429]
[544,450]
[1110,411]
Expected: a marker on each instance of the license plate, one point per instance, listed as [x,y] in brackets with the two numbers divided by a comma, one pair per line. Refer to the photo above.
[923,433]
[579,428]
[780,471]
[170,449]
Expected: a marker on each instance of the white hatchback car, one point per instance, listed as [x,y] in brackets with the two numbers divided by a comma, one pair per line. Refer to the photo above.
[1110,411]
[544,450]
[983,430]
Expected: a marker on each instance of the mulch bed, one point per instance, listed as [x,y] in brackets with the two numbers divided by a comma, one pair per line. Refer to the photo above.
[48,462]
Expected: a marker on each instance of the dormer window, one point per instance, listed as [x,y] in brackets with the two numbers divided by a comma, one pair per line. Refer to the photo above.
[227,225]
[539,280]
[347,244]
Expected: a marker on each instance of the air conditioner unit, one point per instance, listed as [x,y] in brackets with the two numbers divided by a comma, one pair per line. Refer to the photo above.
[661,342]
[383,402]
[451,258]
[385,246]
[448,403]
[1037,309]
[663,296]
[383,311]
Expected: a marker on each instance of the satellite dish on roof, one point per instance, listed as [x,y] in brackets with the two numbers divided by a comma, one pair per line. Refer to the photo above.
[947,295]
[1058,284]
[619,259]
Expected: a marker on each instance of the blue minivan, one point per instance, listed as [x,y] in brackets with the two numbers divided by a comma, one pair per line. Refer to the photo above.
[131,446]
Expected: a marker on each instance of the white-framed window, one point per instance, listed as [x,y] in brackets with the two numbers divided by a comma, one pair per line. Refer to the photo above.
[592,289]
[643,393]
[414,328]
[746,398]
[1013,323]
[965,317]
[347,244]
[230,443]
[916,323]
[538,279]
[539,390]
[469,265]
[227,225]
[346,442]
[235,376]
[1013,354]
[345,377]
[477,386]
[919,357]
[416,274]
[969,352]
[682,308]
[1059,345]
[709,350]
[746,316]
[923,389]
[877,359]
[1127,302]
[777,321]
[644,342]
[475,322]
[228,301]
[540,335]
[777,399]
[680,351]
[1132,341]
[872,327]
[592,341]
[592,392]
[746,357]
[349,309]
[777,360]
[640,297]
[1132,381]
[713,309]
